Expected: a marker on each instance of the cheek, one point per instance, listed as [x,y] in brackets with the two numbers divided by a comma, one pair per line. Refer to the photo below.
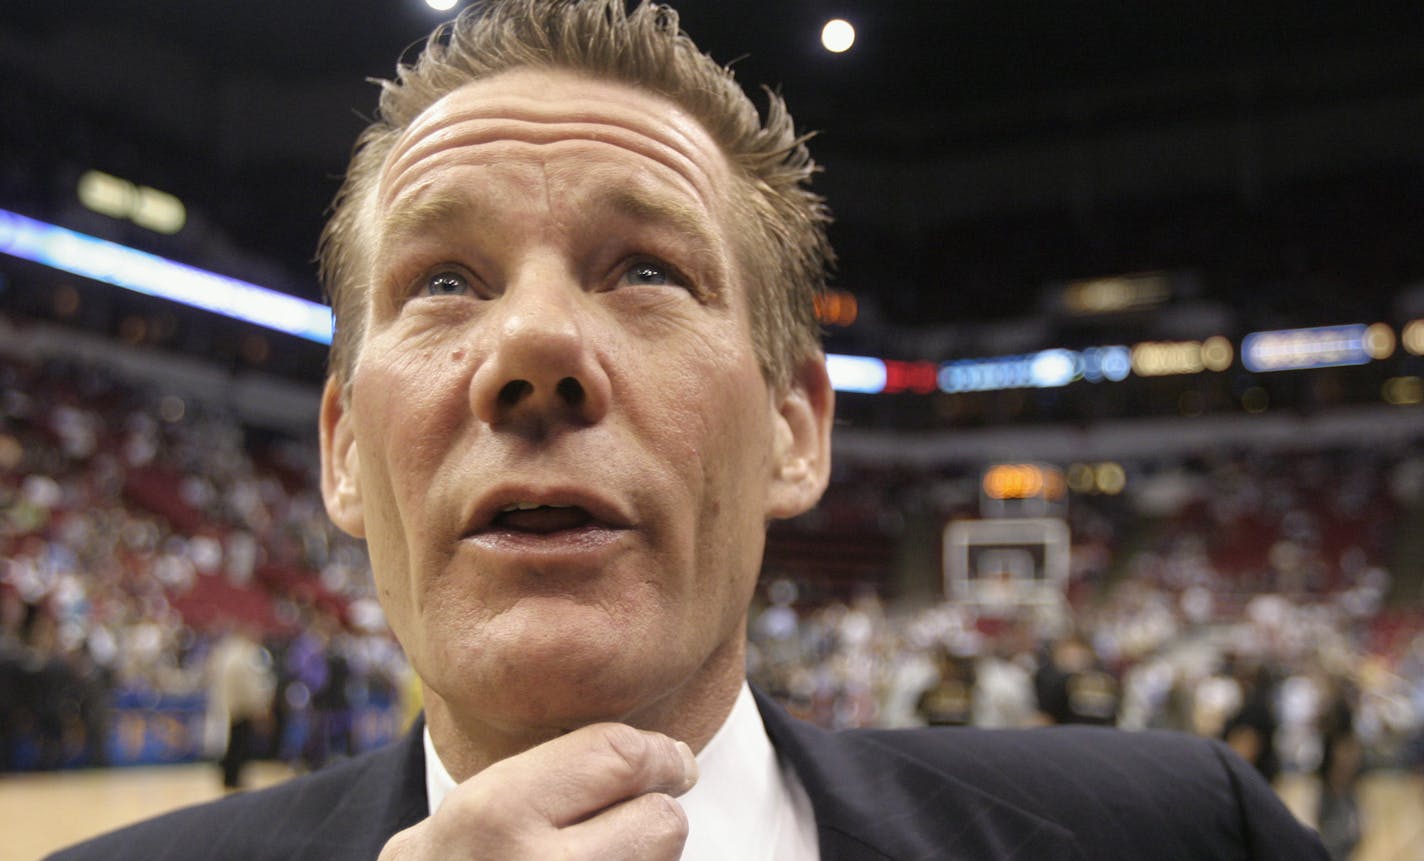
[388,548]
[730,449]
[411,407]
[711,421]
[403,428]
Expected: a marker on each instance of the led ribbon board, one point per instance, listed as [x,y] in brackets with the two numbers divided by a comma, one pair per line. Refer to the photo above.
[1302,349]
[863,374]
[151,275]
[1042,370]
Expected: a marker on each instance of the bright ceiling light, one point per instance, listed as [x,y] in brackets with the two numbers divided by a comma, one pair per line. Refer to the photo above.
[118,198]
[837,36]
[441,5]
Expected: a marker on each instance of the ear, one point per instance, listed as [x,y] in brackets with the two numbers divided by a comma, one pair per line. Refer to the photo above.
[340,462]
[801,454]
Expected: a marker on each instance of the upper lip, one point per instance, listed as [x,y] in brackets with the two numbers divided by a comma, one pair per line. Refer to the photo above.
[604,511]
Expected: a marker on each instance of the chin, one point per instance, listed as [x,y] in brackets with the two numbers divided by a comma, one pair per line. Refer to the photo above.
[564,701]
[564,684]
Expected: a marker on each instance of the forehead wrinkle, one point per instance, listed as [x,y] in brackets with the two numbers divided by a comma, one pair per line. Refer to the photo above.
[497,122]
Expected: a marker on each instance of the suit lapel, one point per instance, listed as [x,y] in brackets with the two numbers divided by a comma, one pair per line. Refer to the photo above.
[407,804]
[386,796]
[872,802]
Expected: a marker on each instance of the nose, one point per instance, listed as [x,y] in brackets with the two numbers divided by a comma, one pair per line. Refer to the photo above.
[543,368]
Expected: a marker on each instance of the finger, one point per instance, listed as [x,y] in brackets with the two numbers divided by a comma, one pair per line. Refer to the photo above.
[651,827]
[576,775]
[403,845]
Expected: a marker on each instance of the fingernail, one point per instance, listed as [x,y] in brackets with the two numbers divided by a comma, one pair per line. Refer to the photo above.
[689,765]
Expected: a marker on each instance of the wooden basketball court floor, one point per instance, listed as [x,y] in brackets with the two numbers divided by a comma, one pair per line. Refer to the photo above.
[42,812]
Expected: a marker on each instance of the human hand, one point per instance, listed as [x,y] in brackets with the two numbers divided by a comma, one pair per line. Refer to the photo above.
[602,791]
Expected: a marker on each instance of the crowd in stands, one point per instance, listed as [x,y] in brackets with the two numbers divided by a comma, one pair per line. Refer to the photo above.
[1246,597]
[136,529]
[1294,685]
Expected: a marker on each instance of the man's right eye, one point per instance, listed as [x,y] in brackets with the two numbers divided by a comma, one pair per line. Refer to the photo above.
[447,283]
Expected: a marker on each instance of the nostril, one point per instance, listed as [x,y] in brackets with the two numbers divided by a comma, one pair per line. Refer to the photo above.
[514,391]
[571,390]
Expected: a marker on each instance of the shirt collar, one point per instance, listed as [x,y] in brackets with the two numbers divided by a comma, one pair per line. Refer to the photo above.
[746,803]
[438,782]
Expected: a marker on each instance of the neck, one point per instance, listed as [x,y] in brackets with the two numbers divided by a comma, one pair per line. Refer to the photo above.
[692,712]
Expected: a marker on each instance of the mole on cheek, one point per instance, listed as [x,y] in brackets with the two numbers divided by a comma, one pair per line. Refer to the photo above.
[457,355]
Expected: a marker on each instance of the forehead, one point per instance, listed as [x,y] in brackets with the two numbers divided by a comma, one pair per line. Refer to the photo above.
[560,119]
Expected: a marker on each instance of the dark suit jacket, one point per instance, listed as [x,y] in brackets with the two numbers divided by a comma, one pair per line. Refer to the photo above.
[1033,795]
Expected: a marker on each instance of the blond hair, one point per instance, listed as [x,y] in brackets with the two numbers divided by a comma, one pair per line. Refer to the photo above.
[781,243]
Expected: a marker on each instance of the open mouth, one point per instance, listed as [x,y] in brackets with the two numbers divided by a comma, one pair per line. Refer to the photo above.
[547,520]
[541,519]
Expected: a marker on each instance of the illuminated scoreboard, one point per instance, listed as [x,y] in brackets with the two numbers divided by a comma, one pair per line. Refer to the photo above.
[1022,490]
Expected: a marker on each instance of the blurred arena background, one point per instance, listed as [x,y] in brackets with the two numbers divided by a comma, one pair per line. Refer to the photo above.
[1128,331]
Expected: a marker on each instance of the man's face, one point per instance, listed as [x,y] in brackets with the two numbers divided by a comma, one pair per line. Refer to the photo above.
[558,442]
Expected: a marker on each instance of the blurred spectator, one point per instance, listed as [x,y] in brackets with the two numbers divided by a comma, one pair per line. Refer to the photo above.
[1004,695]
[1251,729]
[950,700]
[1073,687]
[239,700]
[1338,814]
[331,703]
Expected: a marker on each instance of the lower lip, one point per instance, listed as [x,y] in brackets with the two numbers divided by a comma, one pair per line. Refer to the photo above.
[581,545]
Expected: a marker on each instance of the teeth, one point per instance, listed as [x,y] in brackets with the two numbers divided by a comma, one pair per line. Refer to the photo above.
[529,506]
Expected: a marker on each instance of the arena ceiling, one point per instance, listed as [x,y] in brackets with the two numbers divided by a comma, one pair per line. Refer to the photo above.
[974,151]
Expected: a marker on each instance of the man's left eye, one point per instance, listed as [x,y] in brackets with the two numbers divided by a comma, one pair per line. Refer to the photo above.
[447,283]
[647,272]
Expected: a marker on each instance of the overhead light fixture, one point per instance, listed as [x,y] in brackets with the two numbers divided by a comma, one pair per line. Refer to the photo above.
[147,207]
[838,35]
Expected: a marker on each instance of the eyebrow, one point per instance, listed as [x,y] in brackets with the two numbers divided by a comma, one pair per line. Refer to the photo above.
[684,219]
[430,211]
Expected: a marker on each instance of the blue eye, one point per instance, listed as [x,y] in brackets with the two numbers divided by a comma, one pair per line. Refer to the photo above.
[646,272]
[447,283]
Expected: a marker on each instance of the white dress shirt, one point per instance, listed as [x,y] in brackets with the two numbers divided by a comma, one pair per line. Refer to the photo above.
[746,804]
